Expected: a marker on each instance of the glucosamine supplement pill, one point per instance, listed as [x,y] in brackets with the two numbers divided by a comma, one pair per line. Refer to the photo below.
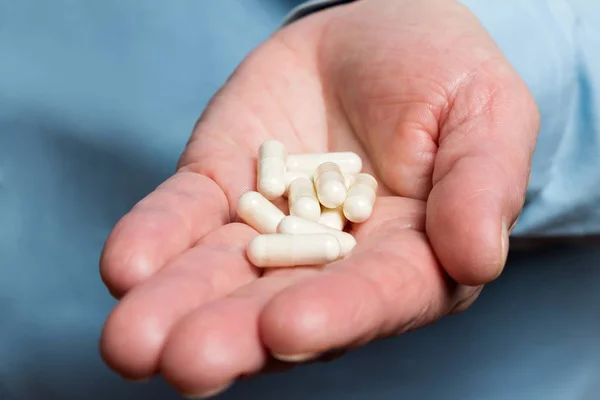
[283,250]
[302,199]
[330,185]
[259,213]
[360,198]
[290,176]
[300,226]
[348,162]
[348,179]
[271,169]
[333,218]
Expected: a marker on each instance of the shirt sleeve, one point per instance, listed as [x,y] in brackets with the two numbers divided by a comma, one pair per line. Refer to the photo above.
[312,6]
[555,46]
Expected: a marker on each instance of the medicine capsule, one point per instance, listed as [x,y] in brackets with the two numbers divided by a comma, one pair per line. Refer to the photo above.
[282,250]
[348,162]
[291,176]
[271,169]
[330,185]
[299,226]
[360,198]
[348,179]
[302,199]
[333,218]
[259,213]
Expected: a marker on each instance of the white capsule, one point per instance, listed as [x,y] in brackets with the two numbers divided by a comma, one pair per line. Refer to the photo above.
[333,218]
[259,213]
[360,198]
[330,185]
[291,176]
[300,226]
[282,250]
[302,199]
[349,162]
[348,179]
[271,169]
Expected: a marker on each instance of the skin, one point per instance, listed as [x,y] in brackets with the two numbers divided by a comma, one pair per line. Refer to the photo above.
[421,92]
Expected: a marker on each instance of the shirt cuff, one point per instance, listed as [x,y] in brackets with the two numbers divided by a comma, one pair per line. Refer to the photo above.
[310,7]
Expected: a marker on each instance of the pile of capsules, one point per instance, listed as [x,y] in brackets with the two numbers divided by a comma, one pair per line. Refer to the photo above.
[324,192]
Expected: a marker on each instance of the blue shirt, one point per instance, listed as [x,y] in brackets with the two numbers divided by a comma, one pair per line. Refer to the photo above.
[97,100]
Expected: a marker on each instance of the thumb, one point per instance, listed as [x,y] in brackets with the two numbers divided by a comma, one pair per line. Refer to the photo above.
[480,176]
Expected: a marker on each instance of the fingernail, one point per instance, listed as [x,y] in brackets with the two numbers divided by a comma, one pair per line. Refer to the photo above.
[513,224]
[505,240]
[207,394]
[295,358]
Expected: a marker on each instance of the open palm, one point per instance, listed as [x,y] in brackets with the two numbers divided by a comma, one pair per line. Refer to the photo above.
[419,90]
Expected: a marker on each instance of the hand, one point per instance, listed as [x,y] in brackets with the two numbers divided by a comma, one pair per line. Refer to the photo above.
[422,93]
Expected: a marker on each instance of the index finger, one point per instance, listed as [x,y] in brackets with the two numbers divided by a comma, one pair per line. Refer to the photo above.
[164,224]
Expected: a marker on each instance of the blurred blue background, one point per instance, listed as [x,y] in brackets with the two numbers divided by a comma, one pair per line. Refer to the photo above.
[97,100]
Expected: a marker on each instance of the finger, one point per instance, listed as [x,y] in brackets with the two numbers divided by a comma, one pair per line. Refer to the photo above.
[136,330]
[220,341]
[390,283]
[481,174]
[469,295]
[161,226]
